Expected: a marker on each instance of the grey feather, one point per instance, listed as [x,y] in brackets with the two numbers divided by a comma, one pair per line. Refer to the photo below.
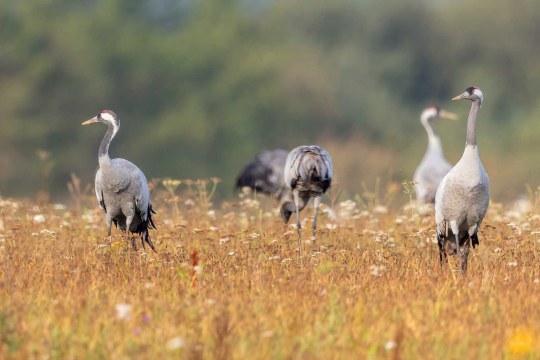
[308,173]
[462,198]
[433,166]
[265,173]
[121,187]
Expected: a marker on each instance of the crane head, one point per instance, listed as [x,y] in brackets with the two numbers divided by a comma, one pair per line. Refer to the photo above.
[433,111]
[107,117]
[472,93]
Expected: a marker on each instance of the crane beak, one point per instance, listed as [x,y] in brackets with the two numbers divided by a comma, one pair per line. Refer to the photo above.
[448,115]
[465,95]
[91,121]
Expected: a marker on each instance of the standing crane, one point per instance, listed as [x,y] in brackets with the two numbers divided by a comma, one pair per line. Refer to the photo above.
[462,198]
[433,166]
[308,174]
[121,187]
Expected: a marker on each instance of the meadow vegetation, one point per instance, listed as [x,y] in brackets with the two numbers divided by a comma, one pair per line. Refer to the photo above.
[227,282]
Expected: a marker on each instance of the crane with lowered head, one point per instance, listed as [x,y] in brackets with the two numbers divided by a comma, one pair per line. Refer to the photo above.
[308,174]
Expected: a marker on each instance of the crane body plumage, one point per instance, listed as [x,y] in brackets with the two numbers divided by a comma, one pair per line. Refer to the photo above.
[265,173]
[308,174]
[121,187]
[433,166]
[462,198]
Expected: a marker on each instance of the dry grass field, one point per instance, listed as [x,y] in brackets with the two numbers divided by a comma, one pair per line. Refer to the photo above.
[227,283]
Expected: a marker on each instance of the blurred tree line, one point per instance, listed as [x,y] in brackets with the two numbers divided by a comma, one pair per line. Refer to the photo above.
[201,86]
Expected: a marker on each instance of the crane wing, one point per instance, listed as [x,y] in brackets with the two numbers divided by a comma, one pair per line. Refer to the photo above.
[99,190]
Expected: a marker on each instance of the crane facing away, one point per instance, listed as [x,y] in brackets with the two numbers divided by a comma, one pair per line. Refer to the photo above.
[462,198]
[121,187]
[308,174]
[433,166]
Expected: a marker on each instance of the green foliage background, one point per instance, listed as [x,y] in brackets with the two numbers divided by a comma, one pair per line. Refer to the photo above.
[201,86]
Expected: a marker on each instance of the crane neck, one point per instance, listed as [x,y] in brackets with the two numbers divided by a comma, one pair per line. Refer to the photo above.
[434,143]
[103,154]
[471,123]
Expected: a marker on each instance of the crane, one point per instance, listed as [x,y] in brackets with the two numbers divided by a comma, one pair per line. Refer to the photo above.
[308,174]
[433,166]
[121,187]
[265,173]
[462,198]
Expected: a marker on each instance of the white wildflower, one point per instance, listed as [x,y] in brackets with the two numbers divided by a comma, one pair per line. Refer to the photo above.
[377,270]
[175,343]
[390,344]
[380,209]
[123,311]
[223,240]
[39,218]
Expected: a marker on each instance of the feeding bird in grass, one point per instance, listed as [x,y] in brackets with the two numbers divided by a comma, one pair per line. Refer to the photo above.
[462,198]
[433,166]
[308,174]
[265,173]
[121,187]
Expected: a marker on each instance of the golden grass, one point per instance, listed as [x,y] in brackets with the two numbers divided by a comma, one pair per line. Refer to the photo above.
[227,284]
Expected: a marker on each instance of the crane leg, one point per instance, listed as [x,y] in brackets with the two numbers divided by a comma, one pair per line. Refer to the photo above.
[108,221]
[458,249]
[442,252]
[464,258]
[298,225]
[316,204]
[129,219]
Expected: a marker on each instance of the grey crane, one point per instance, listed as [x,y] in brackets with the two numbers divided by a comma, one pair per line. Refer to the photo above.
[308,174]
[433,166]
[265,173]
[462,198]
[121,187]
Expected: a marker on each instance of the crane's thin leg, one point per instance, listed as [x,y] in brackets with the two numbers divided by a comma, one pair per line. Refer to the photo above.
[129,219]
[108,221]
[458,249]
[442,253]
[464,259]
[316,203]
[298,225]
